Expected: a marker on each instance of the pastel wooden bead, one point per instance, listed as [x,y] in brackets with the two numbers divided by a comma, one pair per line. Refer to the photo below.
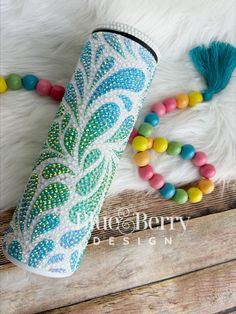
[30,81]
[194,98]
[57,92]
[3,85]
[180,197]
[167,191]
[14,81]
[174,148]
[152,118]
[146,172]
[194,195]
[43,87]
[133,134]
[145,129]
[207,171]
[159,109]
[160,144]
[157,181]
[170,104]
[187,152]
[140,143]
[199,159]
[141,159]
[150,143]
[206,186]
[182,101]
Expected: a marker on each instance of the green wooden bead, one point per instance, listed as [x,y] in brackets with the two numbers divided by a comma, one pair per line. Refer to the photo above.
[180,197]
[174,148]
[14,81]
[145,129]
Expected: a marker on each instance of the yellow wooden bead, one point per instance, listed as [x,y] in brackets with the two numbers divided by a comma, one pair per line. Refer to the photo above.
[3,85]
[182,101]
[140,143]
[150,142]
[194,195]
[194,98]
[160,144]
[206,186]
[142,159]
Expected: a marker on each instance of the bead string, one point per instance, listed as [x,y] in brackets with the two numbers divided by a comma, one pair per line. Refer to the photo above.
[142,142]
[31,82]
[141,139]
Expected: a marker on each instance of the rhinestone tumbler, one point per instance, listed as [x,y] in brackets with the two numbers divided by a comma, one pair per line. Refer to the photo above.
[54,219]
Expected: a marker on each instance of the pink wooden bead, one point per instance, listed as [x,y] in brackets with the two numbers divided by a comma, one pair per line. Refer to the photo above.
[43,87]
[133,134]
[157,181]
[207,171]
[199,159]
[159,109]
[170,104]
[145,172]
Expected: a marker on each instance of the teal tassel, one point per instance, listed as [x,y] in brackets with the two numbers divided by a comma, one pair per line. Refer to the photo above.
[216,64]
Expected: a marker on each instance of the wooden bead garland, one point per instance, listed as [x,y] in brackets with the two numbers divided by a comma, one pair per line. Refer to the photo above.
[31,82]
[141,139]
[142,142]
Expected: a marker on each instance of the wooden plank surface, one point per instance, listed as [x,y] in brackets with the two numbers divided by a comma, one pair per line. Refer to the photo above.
[108,268]
[206,291]
[131,202]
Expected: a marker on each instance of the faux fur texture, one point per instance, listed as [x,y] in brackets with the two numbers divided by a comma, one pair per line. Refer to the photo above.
[45,38]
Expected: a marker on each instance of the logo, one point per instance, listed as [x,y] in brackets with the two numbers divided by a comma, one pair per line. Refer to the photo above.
[128,221]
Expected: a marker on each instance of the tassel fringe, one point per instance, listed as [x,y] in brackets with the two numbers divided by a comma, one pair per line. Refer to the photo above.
[216,64]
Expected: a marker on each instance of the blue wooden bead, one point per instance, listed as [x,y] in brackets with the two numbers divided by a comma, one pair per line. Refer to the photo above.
[152,118]
[167,191]
[30,81]
[187,152]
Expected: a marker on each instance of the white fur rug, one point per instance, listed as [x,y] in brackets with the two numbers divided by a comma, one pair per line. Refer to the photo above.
[45,38]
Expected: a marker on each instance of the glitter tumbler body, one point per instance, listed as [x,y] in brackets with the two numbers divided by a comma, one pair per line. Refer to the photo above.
[54,219]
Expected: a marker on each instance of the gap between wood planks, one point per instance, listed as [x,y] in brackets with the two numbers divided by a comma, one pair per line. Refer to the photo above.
[130,203]
[232,310]
[108,269]
[178,295]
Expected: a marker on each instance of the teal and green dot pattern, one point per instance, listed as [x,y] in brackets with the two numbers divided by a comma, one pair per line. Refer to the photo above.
[70,179]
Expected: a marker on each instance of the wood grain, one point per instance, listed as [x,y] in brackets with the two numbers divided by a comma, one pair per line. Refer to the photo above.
[131,202]
[206,291]
[107,269]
